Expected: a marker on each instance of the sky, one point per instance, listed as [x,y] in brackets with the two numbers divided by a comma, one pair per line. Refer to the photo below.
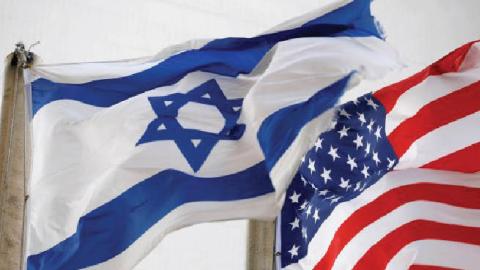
[89,30]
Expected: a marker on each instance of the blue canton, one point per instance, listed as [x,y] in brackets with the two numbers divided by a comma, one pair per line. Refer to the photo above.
[344,161]
[194,144]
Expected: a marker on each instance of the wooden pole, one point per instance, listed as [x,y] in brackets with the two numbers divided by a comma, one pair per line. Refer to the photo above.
[261,241]
[13,166]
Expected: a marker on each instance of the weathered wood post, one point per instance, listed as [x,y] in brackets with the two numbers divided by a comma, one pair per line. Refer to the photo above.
[261,241]
[14,169]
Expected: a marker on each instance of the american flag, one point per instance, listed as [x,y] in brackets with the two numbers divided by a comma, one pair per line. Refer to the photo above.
[394,184]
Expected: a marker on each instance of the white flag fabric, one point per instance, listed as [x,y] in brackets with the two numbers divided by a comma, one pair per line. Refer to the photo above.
[125,152]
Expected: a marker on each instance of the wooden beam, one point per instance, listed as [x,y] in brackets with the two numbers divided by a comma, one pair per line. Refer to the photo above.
[12,170]
[261,241]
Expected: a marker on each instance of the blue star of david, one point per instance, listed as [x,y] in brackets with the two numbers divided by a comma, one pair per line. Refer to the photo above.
[195,145]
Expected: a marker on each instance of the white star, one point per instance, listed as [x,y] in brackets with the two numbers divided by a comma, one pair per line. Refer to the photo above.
[294,197]
[333,153]
[304,181]
[311,165]
[358,141]
[365,171]
[351,162]
[377,133]
[375,158]
[315,215]
[313,186]
[335,199]
[363,186]
[357,186]
[370,126]
[309,211]
[333,124]
[391,162]
[326,175]
[293,251]
[330,197]
[295,224]
[367,149]
[304,232]
[344,184]
[361,118]
[318,144]
[343,112]
[356,101]
[304,205]
[371,103]
[343,132]
[323,192]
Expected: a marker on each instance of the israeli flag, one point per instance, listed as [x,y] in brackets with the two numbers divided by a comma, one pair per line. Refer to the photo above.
[126,152]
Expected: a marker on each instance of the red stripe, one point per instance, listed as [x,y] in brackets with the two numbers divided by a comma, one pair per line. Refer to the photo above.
[429,267]
[435,114]
[465,160]
[378,256]
[389,95]
[453,195]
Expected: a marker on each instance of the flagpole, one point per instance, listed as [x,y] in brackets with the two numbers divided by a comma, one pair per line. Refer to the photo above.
[13,168]
[261,241]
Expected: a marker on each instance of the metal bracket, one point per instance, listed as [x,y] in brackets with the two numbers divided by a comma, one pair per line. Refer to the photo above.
[23,58]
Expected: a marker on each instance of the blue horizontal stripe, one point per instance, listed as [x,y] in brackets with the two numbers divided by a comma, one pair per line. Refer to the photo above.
[228,57]
[111,228]
[280,129]
[356,15]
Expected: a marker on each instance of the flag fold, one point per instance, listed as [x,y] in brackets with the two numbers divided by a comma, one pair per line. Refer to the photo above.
[125,152]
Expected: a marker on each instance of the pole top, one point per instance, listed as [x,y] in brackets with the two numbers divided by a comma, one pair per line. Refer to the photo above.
[22,57]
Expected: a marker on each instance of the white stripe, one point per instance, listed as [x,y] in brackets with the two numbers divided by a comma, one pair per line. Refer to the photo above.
[472,57]
[430,89]
[442,141]
[437,252]
[434,87]
[186,215]
[319,243]
[406,213]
